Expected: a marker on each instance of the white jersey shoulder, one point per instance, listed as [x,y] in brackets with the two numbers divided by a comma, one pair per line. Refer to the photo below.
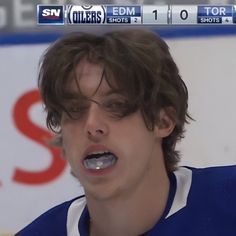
[183,177]
[74,213]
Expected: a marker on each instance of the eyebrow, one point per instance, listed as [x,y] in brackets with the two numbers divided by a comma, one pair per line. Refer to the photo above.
[73,95]
[114,92]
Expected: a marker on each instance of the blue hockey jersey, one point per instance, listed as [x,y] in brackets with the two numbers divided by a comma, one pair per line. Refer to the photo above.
[201,202]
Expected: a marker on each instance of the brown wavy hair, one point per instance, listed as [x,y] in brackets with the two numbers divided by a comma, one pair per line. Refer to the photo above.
[141,66]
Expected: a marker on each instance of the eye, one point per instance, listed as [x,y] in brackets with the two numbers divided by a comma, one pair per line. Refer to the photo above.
[76,111]
[117,108]
[115,104]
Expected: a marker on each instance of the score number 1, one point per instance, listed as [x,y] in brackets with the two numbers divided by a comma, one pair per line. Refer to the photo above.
[153,14]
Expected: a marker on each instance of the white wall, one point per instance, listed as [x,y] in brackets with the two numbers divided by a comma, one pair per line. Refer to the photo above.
[208,66]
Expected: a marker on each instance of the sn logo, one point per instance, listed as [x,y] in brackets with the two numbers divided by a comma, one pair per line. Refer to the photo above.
[51,13]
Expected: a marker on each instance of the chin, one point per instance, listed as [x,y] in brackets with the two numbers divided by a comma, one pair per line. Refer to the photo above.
[102,193]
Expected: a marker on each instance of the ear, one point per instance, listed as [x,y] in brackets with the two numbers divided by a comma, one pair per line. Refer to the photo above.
[166,122]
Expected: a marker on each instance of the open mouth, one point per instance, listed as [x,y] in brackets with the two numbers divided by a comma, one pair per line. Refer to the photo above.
[99,160]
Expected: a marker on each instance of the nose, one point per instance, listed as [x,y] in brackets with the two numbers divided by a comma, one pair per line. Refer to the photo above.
[96,125]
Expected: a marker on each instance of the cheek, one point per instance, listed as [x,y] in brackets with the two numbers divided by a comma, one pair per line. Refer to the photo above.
[71,150]
[66,136]
[71,141]
[134,139]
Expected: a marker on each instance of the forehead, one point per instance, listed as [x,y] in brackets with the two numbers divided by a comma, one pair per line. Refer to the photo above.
[88,79]
[85,69]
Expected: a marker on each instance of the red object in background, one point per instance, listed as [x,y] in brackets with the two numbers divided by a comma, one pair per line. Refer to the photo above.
[38,135]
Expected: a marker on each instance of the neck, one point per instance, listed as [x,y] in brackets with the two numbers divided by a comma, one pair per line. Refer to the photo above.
[133,213]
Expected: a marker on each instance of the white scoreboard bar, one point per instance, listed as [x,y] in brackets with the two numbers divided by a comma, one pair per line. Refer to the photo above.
[136,14]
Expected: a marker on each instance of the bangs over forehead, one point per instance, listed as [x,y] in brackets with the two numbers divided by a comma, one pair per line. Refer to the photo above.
[122,71]
[72,88]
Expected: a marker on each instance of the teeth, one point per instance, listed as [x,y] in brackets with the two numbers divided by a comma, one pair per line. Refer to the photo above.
[98,152]
[101,162]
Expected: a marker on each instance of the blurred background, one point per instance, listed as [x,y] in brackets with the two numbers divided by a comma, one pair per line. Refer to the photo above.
[33,176]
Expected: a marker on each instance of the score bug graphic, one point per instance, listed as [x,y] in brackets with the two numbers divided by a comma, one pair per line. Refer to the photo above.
[86,14]
[50,14]
[124,14]
[215,14]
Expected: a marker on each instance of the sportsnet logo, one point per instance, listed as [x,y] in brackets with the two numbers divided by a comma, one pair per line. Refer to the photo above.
[85,14]
[50,15]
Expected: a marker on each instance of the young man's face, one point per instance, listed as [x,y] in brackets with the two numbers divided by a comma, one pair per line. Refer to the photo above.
[111,155]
